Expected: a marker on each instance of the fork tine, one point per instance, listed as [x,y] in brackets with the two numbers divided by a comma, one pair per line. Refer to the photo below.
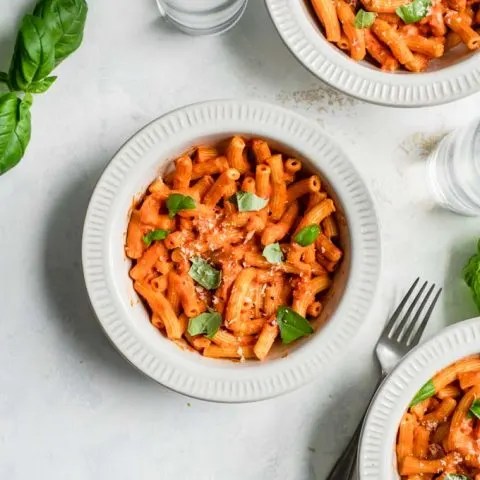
[391,323]
[422,326]
[398,331]
[413,323]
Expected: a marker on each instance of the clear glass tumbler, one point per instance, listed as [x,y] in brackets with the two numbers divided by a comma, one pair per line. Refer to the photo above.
[202,17]
[453,170]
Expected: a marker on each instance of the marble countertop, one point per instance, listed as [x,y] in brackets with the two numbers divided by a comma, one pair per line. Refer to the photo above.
[70,406]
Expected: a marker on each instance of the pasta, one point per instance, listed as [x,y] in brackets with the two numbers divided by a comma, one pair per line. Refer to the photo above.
[440,433]
[399,33]
[205,251]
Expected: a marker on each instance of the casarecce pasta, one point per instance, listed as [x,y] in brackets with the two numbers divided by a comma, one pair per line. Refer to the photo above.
[234,249]
[399,33]
[439,437]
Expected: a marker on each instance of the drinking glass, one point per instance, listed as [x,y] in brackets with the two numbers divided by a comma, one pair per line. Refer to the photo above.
[453,170]
[202,17]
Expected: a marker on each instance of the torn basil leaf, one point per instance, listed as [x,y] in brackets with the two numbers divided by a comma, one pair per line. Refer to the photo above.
[273,253]
[158,234]
[306,236]
[414,12]
[248,202]
[292,325]
[177,202]
[364,19]
[204,274]
[427,391]
[206,324]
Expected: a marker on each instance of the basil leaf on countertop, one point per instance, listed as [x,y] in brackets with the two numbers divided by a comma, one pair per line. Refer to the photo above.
[292,325]
[158,234]
[248,202]
[206,324]
[66,21]
[204,274]
[471,275]
[364,19]
[414,12]
[177,202]
[34,55]
[427,391]
[273,253]
[15,129]
[307,235]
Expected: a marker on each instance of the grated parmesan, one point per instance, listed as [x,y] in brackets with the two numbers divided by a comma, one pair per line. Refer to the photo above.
[240,353]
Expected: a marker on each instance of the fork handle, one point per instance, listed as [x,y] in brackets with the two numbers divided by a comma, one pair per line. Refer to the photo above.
[345,466]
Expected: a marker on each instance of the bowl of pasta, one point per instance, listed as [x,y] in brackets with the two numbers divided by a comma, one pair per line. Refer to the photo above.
[424,422]
[405,53]
[230,249]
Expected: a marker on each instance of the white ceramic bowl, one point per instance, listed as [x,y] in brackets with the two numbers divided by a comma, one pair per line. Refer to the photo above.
[377,460]
[124,318]
[454,76]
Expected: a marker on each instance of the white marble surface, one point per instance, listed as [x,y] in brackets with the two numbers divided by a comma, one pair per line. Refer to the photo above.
[70,406]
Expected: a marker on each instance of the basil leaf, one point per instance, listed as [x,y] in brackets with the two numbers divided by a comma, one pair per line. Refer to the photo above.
[273,253]
[204,274]
[15,129]
[364,19]
[42,86]
[292,325]
[306,236]
[415,11]
[66,21]
[205,324]
[471,275]
[158,234]
[177,202]
[456,476]
[249,202]
[475,408]
[427,391]
[34,55]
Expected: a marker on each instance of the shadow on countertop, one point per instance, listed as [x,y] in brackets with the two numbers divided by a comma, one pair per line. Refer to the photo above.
[261,53]
[331,432]
[65,286]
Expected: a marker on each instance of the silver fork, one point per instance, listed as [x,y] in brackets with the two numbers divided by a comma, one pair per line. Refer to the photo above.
[399,336]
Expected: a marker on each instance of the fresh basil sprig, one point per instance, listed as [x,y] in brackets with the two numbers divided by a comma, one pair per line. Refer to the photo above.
[204,274]
[33,58]
[292,325]
[15,129]
[427,391]
[65,19]
[364,19]
[45,38]
[273,253]
[306,236]
[414,12]
[206,324]
[471,275]
[158,234]
[456,476]
[177,202]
